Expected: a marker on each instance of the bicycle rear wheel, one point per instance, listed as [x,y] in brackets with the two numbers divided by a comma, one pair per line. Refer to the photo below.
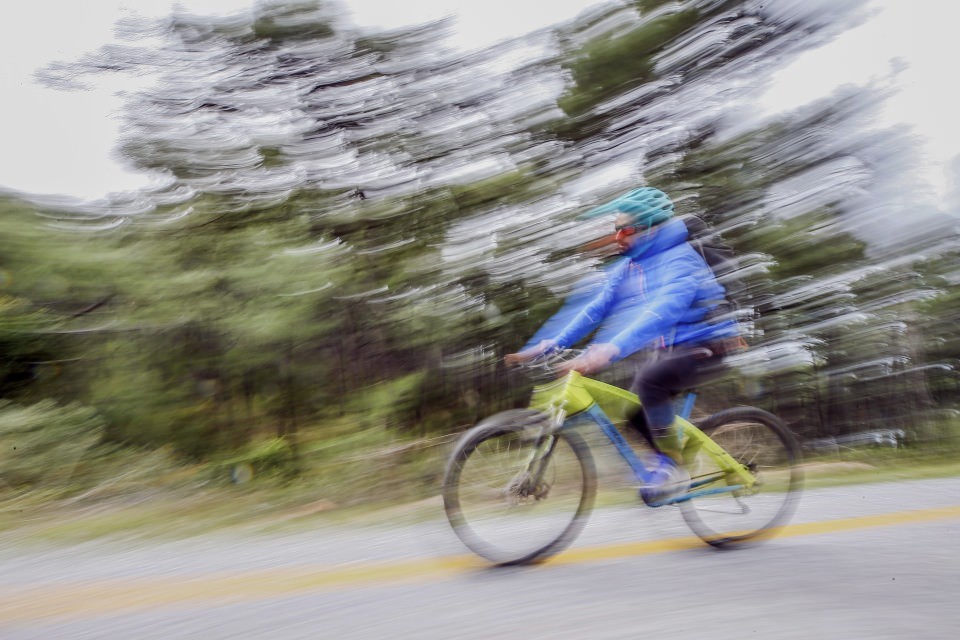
[761,442]
[498,509]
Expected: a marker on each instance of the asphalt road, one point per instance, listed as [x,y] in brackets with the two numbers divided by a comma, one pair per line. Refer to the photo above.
[869,561]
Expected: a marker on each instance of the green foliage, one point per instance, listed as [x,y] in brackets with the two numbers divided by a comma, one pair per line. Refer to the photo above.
[330,325]
[648,6]
[21,343]
[42,444]
[501,189]
[272,457]
[286,21]
[609,66]
[809,245]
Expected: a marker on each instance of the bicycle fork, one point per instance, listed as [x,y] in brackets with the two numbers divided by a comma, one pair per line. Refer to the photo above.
[530,480]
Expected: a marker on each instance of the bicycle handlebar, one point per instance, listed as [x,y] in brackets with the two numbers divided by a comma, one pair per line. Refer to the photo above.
[545,364]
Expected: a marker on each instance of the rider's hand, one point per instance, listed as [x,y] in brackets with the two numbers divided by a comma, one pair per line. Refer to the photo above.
[529,354]
[593,359]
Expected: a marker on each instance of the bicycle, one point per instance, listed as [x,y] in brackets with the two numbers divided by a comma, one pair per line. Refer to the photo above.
[520,485]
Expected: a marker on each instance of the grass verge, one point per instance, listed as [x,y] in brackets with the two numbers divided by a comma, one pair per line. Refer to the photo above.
[383,491]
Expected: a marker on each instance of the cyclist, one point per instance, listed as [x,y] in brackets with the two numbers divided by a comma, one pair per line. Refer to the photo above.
[659,293]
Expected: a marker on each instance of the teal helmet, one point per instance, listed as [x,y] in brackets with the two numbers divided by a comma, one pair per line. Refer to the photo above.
[646,206]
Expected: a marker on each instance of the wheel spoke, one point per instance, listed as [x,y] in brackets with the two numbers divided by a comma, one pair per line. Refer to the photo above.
[760,442]
[499,509]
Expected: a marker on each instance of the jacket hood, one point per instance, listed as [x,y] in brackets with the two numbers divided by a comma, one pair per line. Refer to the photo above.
[665,236]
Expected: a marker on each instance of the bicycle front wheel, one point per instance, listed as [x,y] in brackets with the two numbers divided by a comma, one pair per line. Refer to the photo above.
[723,515]
[515,496]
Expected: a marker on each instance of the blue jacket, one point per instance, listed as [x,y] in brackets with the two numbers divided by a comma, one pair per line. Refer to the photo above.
[661,293]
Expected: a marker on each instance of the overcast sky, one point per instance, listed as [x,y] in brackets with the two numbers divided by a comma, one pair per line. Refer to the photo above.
[63,143]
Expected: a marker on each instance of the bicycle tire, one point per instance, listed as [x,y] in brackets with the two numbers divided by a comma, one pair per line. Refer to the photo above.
[488,514]
[759,440]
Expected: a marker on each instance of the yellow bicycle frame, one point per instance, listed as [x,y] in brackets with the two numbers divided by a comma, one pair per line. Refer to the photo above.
[576,394]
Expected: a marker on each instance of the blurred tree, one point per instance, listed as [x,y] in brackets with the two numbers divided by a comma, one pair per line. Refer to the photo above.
[355,227]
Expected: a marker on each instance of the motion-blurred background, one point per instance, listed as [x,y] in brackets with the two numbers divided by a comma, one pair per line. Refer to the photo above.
[334,231]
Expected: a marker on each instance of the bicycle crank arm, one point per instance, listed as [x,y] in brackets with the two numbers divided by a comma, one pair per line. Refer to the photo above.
[699,494]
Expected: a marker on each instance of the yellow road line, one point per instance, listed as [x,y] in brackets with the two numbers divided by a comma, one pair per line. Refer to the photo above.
[613,551]
[103,597]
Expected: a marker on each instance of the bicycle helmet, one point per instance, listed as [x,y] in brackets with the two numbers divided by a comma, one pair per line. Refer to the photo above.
[646,206]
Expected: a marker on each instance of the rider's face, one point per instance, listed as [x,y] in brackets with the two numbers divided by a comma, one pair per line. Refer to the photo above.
[628,233]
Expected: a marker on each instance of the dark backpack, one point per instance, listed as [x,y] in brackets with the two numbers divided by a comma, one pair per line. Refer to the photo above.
[720,257]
